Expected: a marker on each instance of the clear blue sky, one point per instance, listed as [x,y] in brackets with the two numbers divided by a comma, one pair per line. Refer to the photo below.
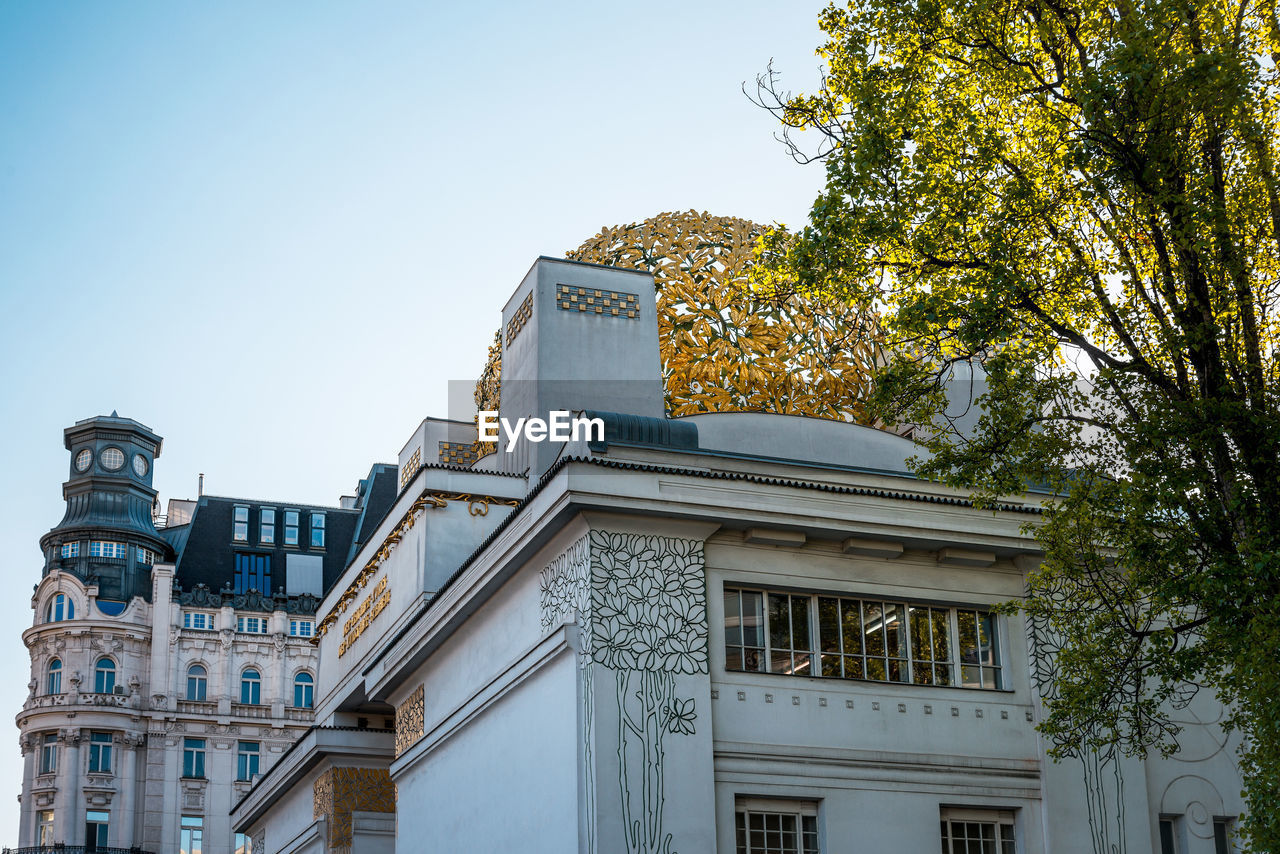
[273,232]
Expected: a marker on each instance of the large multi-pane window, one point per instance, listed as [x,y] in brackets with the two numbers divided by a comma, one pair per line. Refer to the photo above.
[776,827]
[104,676]
[251,687]
[197,682]
[985,831]
[71,549]
[53,685]
[252,625]
[317,530]
[49,753]
[193,757]
[108,549]
[197,620]
[302,628]
[804,634]
[145,556]
[100,752]
[240,524]
[267,525]
[191,840]
[253,572]
[247,755]
[291,527]
[303,691]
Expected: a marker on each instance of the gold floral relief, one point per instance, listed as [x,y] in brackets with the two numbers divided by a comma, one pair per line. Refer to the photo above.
[340,791]
[409,721]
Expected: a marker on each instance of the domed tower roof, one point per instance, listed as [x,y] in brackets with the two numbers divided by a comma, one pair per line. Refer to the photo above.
[107,535]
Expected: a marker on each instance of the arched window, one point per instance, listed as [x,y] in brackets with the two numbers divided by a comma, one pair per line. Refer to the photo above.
[53,684]
[61,608]
[104,676]
[303,691]
[250,687]
[197,682]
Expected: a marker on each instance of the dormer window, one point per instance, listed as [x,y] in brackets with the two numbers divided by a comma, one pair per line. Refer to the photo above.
[267,526]
[240,524]
[146,556]
[61,608]
[71,549]
[317,530]
[291,527]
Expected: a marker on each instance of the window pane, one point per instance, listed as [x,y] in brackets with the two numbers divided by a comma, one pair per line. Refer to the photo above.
[752,619]
[732,618]
[874,628]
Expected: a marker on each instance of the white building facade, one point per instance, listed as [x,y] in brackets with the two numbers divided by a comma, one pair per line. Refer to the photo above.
[731,632]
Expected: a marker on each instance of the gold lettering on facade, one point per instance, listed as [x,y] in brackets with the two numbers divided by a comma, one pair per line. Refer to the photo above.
[364,614]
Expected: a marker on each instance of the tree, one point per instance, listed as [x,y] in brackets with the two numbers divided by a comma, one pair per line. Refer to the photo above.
[1081,197]
[726,344]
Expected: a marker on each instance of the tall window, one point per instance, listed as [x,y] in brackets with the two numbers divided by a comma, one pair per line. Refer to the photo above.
[776,827]
[100,752]
[197,682]
[250,687]
[977,830]
[291,527]
[96,823]
[317,530]
[1224,836]
[243,845]
[247,753]
[302,628]
[49,753]
[53,684]
[104,676]
[192,841]
[44,820]
[240,524]
[253,572]
[267,525]
[193,757]
[303,691]
[814,635]
[71,549]
[61,608]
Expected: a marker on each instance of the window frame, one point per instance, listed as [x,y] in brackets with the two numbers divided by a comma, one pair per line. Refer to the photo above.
[101,821]
[144,556]
[251,687]
[193,756]
[248,760]
[61,607]
[804,813]
[902,668]
[240,523]
[304,691]
[199,681]
[243,623]
[49,753]
[44,828]
[292,518]
[100,753]
[296,627]
[1002,820]
[69,550]
[317,527]
[53,676]
[190,618]
[267,525]
[108,549]
[191,834]
[104,677]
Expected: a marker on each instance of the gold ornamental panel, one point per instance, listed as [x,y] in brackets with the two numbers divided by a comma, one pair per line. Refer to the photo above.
[410,721]
[340,791]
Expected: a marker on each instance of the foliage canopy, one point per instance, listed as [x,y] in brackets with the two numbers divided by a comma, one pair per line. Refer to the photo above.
[1082,196]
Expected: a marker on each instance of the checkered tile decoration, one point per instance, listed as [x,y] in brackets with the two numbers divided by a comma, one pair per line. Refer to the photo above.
[458,453]
[597,301]
[520,318]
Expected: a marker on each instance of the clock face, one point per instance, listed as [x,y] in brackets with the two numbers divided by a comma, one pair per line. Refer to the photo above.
[83,459]
[140,465]
[112,459]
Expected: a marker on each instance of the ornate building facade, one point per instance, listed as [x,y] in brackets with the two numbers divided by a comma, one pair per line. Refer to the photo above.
[171,656]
